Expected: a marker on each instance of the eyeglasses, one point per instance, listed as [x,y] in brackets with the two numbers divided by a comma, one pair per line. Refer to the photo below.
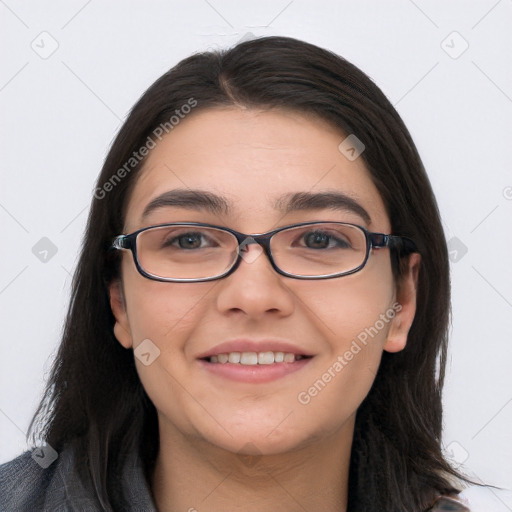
[194,252]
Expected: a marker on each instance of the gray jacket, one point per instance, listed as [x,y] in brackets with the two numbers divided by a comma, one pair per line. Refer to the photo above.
[25,486]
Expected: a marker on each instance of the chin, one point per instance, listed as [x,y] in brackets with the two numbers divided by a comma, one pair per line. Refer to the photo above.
[249,441]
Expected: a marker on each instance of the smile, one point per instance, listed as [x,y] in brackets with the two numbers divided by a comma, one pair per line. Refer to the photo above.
[254,367]
[255,358]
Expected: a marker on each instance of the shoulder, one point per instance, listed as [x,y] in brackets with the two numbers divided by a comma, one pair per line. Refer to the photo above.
[487,499]
[21,483]
[27,485]
[475,499]
[47,481]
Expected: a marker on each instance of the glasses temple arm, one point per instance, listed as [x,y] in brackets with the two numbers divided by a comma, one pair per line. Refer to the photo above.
[402,244]
[120,242]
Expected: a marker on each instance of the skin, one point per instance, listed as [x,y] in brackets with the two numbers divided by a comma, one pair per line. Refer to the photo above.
[228,446]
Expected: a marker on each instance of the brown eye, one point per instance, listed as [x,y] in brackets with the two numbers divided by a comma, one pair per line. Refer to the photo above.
[317,240]
[189,241]
[186,240]
[322,240]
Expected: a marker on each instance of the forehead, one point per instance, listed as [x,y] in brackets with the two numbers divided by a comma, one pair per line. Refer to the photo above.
[253,158]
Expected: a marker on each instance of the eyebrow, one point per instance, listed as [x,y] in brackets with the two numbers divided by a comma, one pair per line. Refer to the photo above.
[338,201]
[292,202]
[188,199]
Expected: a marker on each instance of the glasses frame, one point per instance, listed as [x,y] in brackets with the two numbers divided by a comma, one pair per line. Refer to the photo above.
[401,244]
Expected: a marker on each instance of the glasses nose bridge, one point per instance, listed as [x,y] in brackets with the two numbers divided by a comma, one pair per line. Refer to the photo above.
[262,240]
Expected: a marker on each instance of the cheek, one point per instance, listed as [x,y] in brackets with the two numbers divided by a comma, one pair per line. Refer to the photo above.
[354,317]
[168,315]
[165,313]
[349,306]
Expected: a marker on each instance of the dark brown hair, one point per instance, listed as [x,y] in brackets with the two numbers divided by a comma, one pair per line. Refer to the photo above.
[94,399]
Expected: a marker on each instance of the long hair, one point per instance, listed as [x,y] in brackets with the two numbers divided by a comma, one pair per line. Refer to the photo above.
[94,400]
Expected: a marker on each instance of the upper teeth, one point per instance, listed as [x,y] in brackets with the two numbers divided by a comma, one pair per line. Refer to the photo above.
[253,358]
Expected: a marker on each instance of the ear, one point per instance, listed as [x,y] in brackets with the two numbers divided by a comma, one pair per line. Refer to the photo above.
[118,305]
[405,308]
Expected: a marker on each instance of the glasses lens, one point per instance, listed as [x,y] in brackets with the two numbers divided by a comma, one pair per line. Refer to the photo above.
[319,249]
[186,252]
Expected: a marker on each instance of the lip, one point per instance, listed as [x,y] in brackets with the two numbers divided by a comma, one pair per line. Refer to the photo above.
[246,345]
[258,373]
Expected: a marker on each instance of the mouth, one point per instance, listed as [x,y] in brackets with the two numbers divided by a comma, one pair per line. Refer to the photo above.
[255,358]
[252,365]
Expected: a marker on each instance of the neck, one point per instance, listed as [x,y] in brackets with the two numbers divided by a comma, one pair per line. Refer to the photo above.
[196,476]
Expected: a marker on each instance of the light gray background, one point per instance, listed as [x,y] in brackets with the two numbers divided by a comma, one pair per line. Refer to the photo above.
[60,113]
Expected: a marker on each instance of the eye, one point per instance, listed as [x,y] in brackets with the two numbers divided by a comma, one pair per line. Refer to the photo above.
[190,240]
[323,240]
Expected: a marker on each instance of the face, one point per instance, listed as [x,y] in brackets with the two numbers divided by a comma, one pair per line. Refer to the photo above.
[255,160]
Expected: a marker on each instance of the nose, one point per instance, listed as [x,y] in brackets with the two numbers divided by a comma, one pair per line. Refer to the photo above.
[255,289]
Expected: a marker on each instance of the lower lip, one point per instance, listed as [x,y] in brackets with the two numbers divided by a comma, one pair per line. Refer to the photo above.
[254,373]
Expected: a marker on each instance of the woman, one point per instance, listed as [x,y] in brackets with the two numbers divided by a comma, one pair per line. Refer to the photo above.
[259,315]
